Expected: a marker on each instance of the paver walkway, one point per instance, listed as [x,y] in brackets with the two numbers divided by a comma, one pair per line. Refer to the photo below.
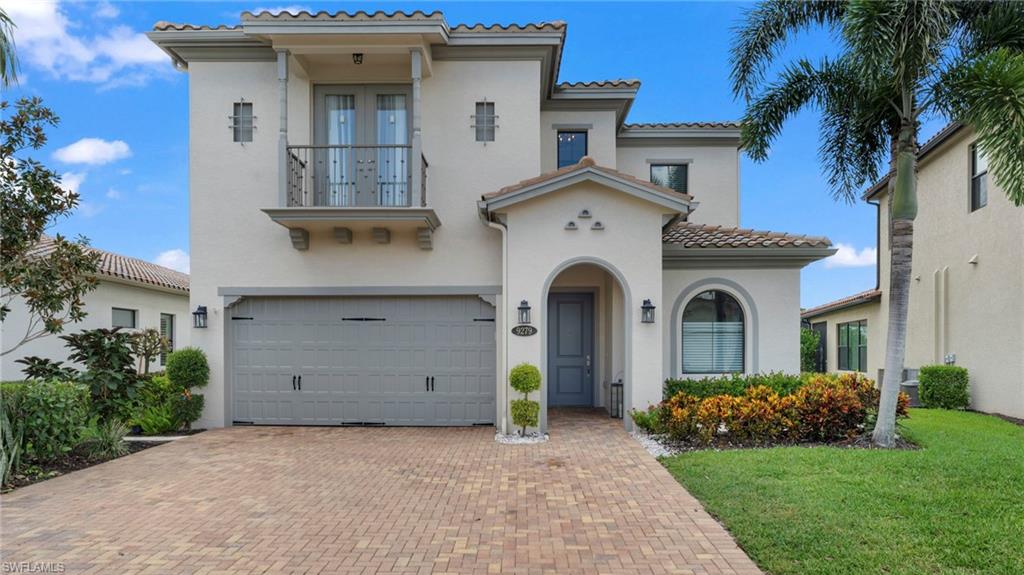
[373,500]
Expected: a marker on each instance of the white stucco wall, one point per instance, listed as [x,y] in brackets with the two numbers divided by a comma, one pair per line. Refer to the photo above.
[600,135]
[148,303]
[870,312]
[713,177]
[629,246]
[772,295]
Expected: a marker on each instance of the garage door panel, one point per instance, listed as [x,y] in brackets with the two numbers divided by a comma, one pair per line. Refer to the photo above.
[364,371]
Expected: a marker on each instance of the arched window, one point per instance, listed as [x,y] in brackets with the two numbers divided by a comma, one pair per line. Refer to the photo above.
[713,334]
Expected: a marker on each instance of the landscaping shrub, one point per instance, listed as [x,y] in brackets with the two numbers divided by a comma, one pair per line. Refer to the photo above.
[734,385]
[944,386]
[12,430]
[105,439]
[43,368]
[147,345]
[525,378]
[815,407]
[109,369]
[188,368]
[53,414]
[809,340]
[648,421]
[188,408]
[157,419]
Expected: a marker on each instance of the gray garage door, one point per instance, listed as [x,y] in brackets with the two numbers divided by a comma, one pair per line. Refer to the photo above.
[363,360]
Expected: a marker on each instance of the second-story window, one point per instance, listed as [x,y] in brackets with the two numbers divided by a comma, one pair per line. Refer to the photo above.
[673,176]
[485,121]
[979,179]
[572,146]
[242,122]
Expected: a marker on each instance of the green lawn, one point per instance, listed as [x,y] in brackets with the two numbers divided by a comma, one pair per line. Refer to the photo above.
[955,506]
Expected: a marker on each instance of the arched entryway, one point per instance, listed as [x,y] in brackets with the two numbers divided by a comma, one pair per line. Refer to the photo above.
[585,338]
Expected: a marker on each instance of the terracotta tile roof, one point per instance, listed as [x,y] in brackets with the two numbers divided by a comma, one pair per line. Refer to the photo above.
[585,162]
[681,125]
[618,83]
[690,235]
[126,268]
[363,16]
[848,301]
[941,136]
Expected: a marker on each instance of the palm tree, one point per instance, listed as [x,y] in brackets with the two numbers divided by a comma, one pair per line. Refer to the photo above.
[899,60]
[8,60]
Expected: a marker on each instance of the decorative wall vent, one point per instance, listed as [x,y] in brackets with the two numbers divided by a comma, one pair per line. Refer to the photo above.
[597,226]
[571,226]
[584,214]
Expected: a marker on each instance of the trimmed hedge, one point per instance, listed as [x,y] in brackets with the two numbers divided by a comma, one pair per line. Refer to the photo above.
[944,386]
[53,412]
[734,385]
[188,368]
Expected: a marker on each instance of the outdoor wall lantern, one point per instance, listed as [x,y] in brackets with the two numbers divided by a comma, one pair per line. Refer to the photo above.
[647,312]
[199,317]
[357,58]
[524,312]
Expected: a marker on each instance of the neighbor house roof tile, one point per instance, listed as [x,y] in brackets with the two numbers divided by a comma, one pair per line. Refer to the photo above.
[127,268]
[617,83]
[842,303]
[681,125]
[690,235]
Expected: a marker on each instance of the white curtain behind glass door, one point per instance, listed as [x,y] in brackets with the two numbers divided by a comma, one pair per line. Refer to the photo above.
[392,161]
[339,162]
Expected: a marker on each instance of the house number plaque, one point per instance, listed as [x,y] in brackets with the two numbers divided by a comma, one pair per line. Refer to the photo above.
[524,330]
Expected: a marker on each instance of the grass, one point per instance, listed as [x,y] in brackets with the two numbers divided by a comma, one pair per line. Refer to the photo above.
[954,506]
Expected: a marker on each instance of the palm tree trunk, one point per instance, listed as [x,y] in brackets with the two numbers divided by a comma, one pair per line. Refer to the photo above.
[902,211]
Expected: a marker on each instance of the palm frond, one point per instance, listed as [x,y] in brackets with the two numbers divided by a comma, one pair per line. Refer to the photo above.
[765,31]
[988,93]
[797,86]
[991,25]
[8,57]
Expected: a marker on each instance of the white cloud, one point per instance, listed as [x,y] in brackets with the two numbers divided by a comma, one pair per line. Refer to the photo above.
[113,194]
[93,151]
[847,256]
[89,209]
[106,10]
[46,38]
[292,8]
[71,181]
[176,259]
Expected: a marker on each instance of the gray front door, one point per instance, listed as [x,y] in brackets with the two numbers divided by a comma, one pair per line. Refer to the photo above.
[370,360]
[570,349]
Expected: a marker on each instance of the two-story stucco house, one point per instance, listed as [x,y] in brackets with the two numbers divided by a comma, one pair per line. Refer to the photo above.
[966,285]
[389,212]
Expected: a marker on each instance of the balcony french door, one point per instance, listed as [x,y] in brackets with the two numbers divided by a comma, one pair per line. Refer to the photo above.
[362,151]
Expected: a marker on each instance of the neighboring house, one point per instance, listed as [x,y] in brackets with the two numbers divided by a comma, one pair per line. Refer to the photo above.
[967,280]
[132,294]
[388,212]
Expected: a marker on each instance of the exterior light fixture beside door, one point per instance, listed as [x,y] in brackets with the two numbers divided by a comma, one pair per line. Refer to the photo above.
[199,317]
[524,312]
[357,58]
[647,312]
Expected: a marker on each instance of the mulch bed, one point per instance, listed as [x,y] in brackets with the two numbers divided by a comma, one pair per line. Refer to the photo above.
[34,472]
[724,444]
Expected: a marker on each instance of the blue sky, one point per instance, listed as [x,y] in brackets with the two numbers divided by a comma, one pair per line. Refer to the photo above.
[123,136]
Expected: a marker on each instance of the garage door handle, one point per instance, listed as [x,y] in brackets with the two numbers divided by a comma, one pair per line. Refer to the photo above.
[432,383]
[293,383]
[426,380]
[300,383]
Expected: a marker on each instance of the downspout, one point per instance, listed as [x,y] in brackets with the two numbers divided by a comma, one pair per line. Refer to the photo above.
[503,339]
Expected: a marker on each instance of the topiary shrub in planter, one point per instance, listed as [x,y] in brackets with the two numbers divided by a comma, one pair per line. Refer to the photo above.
[944,386]
[187,368]
[525,379]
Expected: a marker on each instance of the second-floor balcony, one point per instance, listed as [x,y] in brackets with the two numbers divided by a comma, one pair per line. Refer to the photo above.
[349,176]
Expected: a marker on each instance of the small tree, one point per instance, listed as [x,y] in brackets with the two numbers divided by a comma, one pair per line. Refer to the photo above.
[147,345]
[525,378]
[109,369]
[50,277]
[188,368]
[809,340]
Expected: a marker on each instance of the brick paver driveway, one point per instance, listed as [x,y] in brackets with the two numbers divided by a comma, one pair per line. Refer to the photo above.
[364,500]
